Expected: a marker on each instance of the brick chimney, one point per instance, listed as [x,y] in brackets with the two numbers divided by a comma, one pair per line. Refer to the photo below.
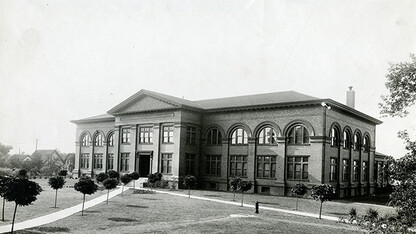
[351,97]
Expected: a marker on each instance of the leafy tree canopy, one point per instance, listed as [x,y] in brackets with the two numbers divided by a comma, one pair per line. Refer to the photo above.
[56,182]
[113,174]
[401,83]
[323,192]
[234,183]
[153,178]
[189,181]
[110,183]
[245,185]
[63,173]
[135,175]
[21,190]
[299,189]
[86,186]
[125,179]
[101,177]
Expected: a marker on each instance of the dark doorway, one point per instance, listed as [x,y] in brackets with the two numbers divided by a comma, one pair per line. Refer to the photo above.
[143,163]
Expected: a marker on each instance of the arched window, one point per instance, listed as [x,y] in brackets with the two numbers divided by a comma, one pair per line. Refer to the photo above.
[214,137]
[347,140]
[267,136]
[366,144]
[98,140]
[239,137]
[334,136]
[298,135]
[357,141]
[111,139]
[85,140]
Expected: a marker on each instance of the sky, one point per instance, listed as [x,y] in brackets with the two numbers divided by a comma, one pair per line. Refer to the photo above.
[67,60]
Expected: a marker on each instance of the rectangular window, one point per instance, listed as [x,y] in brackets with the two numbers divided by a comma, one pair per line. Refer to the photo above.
[125,135]
[124,162]
[214,137]
[167,134]
[333,172]
[110,162]
[238,165]
[356,170]
[190,135]
[145,135]
[166,163]
[190,164]
[98,161]
[213,165]
[85,160]
[365,170]
[345,170]
[297,167]
[266,167]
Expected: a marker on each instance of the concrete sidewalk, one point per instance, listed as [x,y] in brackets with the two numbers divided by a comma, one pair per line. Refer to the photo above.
[250,206]
[49,218]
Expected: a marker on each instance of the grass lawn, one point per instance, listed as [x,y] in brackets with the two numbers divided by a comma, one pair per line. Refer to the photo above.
[162,213]
[45,202]
[335,208]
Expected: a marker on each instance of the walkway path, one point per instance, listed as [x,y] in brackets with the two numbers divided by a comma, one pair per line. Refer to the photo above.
[49,218]
[251,206]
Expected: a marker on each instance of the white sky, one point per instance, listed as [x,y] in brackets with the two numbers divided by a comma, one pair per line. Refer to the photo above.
[65,60]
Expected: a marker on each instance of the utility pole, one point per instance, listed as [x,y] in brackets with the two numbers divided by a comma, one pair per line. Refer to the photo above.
[36,145]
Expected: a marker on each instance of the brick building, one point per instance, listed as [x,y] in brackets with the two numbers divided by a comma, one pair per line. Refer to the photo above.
[274,140]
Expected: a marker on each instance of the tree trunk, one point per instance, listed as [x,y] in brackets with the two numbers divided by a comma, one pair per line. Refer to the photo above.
[242,198]
[189,192]
[297,202]
[14,216]
[234,196]
[2,213]
[134,184]
[56,195]
[320,210]
[83,201]
[108,192]
[122,190]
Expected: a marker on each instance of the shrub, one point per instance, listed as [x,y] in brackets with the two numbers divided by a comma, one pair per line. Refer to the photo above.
[22,173]
[153,178]
[63,173]
[353,214]
[371,215]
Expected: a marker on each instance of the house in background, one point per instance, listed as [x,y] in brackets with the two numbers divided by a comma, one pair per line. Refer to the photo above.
[51,160]
[274,140]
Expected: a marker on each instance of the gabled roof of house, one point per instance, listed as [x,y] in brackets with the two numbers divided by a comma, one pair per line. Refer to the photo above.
[45,154]
[265,100]
[21,157]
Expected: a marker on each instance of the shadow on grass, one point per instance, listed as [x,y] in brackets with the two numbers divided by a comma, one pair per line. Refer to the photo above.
[91,211]
[212,195]
[125,220]
[377,199]
[38,230]
[136,206]
[150,199]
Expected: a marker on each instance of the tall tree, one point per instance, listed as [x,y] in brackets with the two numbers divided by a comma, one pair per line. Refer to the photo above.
[401,83]
[4,153]
[22,191]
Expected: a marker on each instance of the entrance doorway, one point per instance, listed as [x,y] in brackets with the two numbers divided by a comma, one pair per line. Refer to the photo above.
[143,163]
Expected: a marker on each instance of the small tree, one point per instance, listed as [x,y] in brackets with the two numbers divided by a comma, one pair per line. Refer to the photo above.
[86,186]
[153,178]
[63,173]
[189,181]
[244,186]
[3,180]
[110,183]
[322,193]
[299,190]
[125,179]
[56,183]
[22,191]
[234,185]
[134,176]
[113,174]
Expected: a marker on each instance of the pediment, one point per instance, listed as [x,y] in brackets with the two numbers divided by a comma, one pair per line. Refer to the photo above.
[144,103]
